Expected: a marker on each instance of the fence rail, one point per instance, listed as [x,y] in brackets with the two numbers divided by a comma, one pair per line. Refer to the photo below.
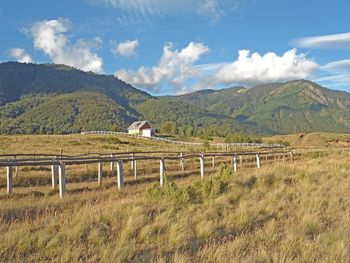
[116,160]
[222,145]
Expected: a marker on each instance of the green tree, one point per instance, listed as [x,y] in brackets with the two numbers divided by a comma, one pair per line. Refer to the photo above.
[168,127]
[114,128]
[189,131]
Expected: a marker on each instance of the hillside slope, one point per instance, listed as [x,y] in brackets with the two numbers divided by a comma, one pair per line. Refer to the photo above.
[300,106]
[59,99]
[279,108]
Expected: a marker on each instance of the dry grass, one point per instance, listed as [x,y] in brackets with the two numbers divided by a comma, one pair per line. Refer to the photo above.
[315,140]
[77,144]
[281,213]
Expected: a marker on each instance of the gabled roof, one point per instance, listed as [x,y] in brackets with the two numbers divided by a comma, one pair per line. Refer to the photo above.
[138,125]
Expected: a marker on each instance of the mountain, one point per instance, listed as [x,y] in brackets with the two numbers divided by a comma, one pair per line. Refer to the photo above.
[51,98]
[61,99]
[279,108]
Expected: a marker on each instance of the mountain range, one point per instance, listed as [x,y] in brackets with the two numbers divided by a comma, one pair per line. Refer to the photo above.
[49,98]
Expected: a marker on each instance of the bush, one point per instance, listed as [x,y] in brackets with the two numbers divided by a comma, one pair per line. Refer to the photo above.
[169,191]
[199,191]
[218,184]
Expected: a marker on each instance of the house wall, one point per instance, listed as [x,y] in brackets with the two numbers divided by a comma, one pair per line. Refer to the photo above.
[147,132]
[136,131]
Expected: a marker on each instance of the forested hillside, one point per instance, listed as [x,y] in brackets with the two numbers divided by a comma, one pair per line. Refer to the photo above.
[48,98]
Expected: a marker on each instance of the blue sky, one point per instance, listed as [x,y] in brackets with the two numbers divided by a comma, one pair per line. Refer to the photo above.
[179,46]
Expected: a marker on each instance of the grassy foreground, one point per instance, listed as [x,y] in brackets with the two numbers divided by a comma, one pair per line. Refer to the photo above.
[286,213]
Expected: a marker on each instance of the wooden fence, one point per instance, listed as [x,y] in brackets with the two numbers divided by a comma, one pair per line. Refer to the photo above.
[213,145]
[58,163]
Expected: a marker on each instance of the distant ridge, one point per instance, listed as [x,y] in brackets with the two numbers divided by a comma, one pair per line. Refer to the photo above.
[49,98]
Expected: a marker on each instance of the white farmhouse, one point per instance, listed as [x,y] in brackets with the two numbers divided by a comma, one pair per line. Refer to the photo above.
[141,128]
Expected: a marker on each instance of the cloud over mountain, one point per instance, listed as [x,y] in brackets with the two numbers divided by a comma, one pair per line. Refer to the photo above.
[20,55]
[252,69]
[49,36]
[179,70]
[174,68]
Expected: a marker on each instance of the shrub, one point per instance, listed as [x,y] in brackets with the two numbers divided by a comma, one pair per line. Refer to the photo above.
[169,191]
[218,184]
[207,188]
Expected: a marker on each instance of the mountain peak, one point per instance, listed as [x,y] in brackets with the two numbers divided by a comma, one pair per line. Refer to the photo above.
[31,95]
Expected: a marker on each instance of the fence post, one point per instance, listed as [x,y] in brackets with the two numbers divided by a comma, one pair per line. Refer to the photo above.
[235,163]
[135,168]
[201,161]
[54,175]
[62,179]
[120,175]
[161,170]
[9,179]
[112,164]
[257,160]
[213,161]
[100,173]
[182,163]
[241,160]
[132,162]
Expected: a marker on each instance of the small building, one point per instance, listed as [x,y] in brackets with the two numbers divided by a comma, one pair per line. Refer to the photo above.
[142,128]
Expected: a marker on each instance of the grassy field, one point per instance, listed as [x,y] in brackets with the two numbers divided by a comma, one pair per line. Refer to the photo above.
[318,140]
[287,212]
[77,144]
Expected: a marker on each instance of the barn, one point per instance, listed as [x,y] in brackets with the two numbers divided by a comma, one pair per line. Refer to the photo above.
[141,128]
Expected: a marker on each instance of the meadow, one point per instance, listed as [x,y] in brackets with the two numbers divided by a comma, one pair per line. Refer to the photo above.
[283,212]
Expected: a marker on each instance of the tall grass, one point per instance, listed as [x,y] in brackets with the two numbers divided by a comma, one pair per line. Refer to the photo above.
[284,213]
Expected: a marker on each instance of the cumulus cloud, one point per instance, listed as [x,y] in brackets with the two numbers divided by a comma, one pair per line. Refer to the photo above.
[325,41]
[252,69]
[174,68]
[126,49]
[49,36]
[20,55]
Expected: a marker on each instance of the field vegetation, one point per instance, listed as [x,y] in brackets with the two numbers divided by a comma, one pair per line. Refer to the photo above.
[283,212]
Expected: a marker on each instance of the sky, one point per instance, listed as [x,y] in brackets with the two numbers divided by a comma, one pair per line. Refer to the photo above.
[181,46]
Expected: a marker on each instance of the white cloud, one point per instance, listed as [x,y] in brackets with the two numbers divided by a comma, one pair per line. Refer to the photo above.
[126,49]
[340,71]
[20,55]
[339,66]
[213,9]
[252,69]
[49,36]
[325,41]
[174,68]
[178,70]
